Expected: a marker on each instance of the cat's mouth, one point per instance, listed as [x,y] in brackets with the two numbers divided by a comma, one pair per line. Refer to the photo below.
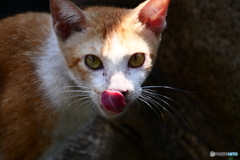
[113,102]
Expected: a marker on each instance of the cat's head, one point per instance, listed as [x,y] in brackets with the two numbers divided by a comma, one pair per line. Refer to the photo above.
[109,51]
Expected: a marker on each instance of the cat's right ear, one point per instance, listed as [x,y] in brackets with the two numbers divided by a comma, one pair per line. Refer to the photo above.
[152,14]
[67,18]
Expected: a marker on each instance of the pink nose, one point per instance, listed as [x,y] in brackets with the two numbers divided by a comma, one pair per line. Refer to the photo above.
[113,101]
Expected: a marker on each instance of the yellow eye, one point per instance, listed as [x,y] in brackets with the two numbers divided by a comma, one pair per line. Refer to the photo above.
[93,62]
[136,60]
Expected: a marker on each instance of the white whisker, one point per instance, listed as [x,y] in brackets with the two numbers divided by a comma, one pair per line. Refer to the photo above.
[77,86]
[140,103]
[75,91]
[143,99]
[74,96]
[151,96]
[82,104]
[77,101]
[167,87]
[91,105]
[155,103]
[162,96]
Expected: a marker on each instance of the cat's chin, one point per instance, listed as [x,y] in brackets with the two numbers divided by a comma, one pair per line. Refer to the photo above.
[110,113]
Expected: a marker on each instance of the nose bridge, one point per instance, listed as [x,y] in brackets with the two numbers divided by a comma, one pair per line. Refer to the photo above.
[118,81]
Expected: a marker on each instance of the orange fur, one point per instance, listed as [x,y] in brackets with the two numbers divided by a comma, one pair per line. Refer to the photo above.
[26,123]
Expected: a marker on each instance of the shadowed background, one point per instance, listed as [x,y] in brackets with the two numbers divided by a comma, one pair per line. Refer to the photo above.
[200,52]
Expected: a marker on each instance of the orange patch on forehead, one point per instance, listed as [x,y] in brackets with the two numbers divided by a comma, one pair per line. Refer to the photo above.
[120,38]
[110,21]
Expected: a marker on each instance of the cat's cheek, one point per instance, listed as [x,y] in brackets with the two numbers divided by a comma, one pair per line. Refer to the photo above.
[137,76]
[80,75]
[77,71]
[98,81]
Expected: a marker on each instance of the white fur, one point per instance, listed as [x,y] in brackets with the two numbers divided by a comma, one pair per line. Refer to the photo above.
[55,79]
[122,77]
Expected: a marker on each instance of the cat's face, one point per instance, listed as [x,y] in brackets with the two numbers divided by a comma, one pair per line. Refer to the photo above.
[110,56]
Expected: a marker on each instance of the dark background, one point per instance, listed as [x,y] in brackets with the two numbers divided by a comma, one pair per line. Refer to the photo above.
[200,51]
[11,7]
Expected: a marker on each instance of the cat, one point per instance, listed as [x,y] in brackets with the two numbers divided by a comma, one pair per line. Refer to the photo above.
[59,70]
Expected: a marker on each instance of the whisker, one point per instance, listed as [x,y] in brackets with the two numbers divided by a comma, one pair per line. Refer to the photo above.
[77,86]
[82,104]
[172,88]
[140,103]
[91,105]
[75,91]
[77,101]
[143,99]
[160,97]
[74,96]
[155,103]
[176,120]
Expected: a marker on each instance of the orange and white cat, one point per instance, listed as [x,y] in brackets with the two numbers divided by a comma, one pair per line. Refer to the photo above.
[58,70]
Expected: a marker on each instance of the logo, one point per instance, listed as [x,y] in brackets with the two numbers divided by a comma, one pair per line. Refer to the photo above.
[220,154]
[212,154]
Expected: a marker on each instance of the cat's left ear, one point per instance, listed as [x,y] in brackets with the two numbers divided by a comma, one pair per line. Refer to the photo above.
[152,14]
[67,18]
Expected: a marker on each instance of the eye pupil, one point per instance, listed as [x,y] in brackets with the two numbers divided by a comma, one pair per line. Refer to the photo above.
[93,62]
[136,60]
[134,57]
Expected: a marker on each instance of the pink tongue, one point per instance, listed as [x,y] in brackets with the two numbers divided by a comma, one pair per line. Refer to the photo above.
[113,101]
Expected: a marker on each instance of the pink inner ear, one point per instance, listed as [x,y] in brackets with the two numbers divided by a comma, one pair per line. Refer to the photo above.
[153,15]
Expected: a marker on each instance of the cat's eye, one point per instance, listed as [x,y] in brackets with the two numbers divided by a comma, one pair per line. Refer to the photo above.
[93,62]
[136,60]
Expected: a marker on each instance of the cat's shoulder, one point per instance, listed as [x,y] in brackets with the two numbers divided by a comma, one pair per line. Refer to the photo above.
[23,36]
